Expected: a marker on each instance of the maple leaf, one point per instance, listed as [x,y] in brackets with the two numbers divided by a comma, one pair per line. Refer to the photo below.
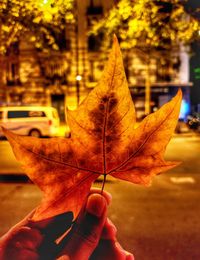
[103,141]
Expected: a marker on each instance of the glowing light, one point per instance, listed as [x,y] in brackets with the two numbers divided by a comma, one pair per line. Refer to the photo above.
[44,2]
[185,109]
[78,77]
[180,180]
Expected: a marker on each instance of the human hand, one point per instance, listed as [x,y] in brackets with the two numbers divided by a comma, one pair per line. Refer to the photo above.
[94,235]
[29,240]
[91,234]
[108,246]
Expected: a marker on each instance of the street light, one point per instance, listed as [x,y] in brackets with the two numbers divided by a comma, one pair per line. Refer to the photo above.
[78,77]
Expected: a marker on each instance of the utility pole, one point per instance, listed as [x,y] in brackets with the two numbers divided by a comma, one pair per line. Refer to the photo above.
[147,89]
[77,63]
[1,58]
[7,97]
[77,55]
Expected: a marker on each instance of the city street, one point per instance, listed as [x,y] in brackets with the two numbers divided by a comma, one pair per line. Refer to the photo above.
[155,223]
[79,65]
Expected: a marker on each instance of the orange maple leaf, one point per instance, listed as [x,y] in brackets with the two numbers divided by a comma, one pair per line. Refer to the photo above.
[103,141]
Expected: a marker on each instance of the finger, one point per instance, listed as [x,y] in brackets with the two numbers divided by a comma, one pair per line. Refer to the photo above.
[85,234]
[20,239]
[110,249]
[54,227]
[129,256]
[24,221]
[106,194]
[119,249]
[109,230]
[21,254]
[24,236]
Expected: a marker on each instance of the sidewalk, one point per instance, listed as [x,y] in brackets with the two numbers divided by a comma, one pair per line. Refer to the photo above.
[186,134]
[63,130]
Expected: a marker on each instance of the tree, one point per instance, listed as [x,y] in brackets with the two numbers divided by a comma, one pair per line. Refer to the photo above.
[43,19]
[150,28]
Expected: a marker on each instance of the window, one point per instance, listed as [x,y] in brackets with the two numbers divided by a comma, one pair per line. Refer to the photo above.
[36,114]
[12,73]
[1,115]
[94,42]
[95,8]
[12,65]
[17,114]
[23,113]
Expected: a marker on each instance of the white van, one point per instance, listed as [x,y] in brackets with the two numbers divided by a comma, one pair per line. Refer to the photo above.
[35,121]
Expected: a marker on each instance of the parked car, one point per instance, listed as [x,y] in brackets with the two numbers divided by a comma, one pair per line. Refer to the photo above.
[35,121]
[193,122]
[181,127]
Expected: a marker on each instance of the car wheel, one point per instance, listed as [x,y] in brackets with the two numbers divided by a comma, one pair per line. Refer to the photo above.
[67,134]
[35,133]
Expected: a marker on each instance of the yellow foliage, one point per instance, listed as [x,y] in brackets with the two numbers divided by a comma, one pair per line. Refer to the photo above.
[33,39]
[37,14]
[5,28]
[145,23]
[37,19]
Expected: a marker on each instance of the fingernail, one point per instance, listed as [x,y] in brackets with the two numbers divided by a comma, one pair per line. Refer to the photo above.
[96,205]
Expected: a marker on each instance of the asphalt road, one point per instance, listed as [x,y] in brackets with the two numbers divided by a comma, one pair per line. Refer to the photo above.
[155,223]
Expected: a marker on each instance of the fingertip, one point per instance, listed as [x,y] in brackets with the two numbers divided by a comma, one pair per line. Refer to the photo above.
[129,256]
[96,205]
[106,194]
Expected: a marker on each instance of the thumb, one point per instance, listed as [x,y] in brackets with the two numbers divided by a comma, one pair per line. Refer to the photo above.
[86,233]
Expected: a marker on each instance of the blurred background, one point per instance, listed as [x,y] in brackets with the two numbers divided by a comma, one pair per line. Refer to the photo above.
[52,54]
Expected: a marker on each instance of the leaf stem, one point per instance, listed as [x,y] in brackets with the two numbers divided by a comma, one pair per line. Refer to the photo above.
[104,181]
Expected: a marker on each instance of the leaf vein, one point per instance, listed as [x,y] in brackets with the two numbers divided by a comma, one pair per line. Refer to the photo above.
[145,141]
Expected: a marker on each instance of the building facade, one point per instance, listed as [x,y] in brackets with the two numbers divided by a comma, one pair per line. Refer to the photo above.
[65,78]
